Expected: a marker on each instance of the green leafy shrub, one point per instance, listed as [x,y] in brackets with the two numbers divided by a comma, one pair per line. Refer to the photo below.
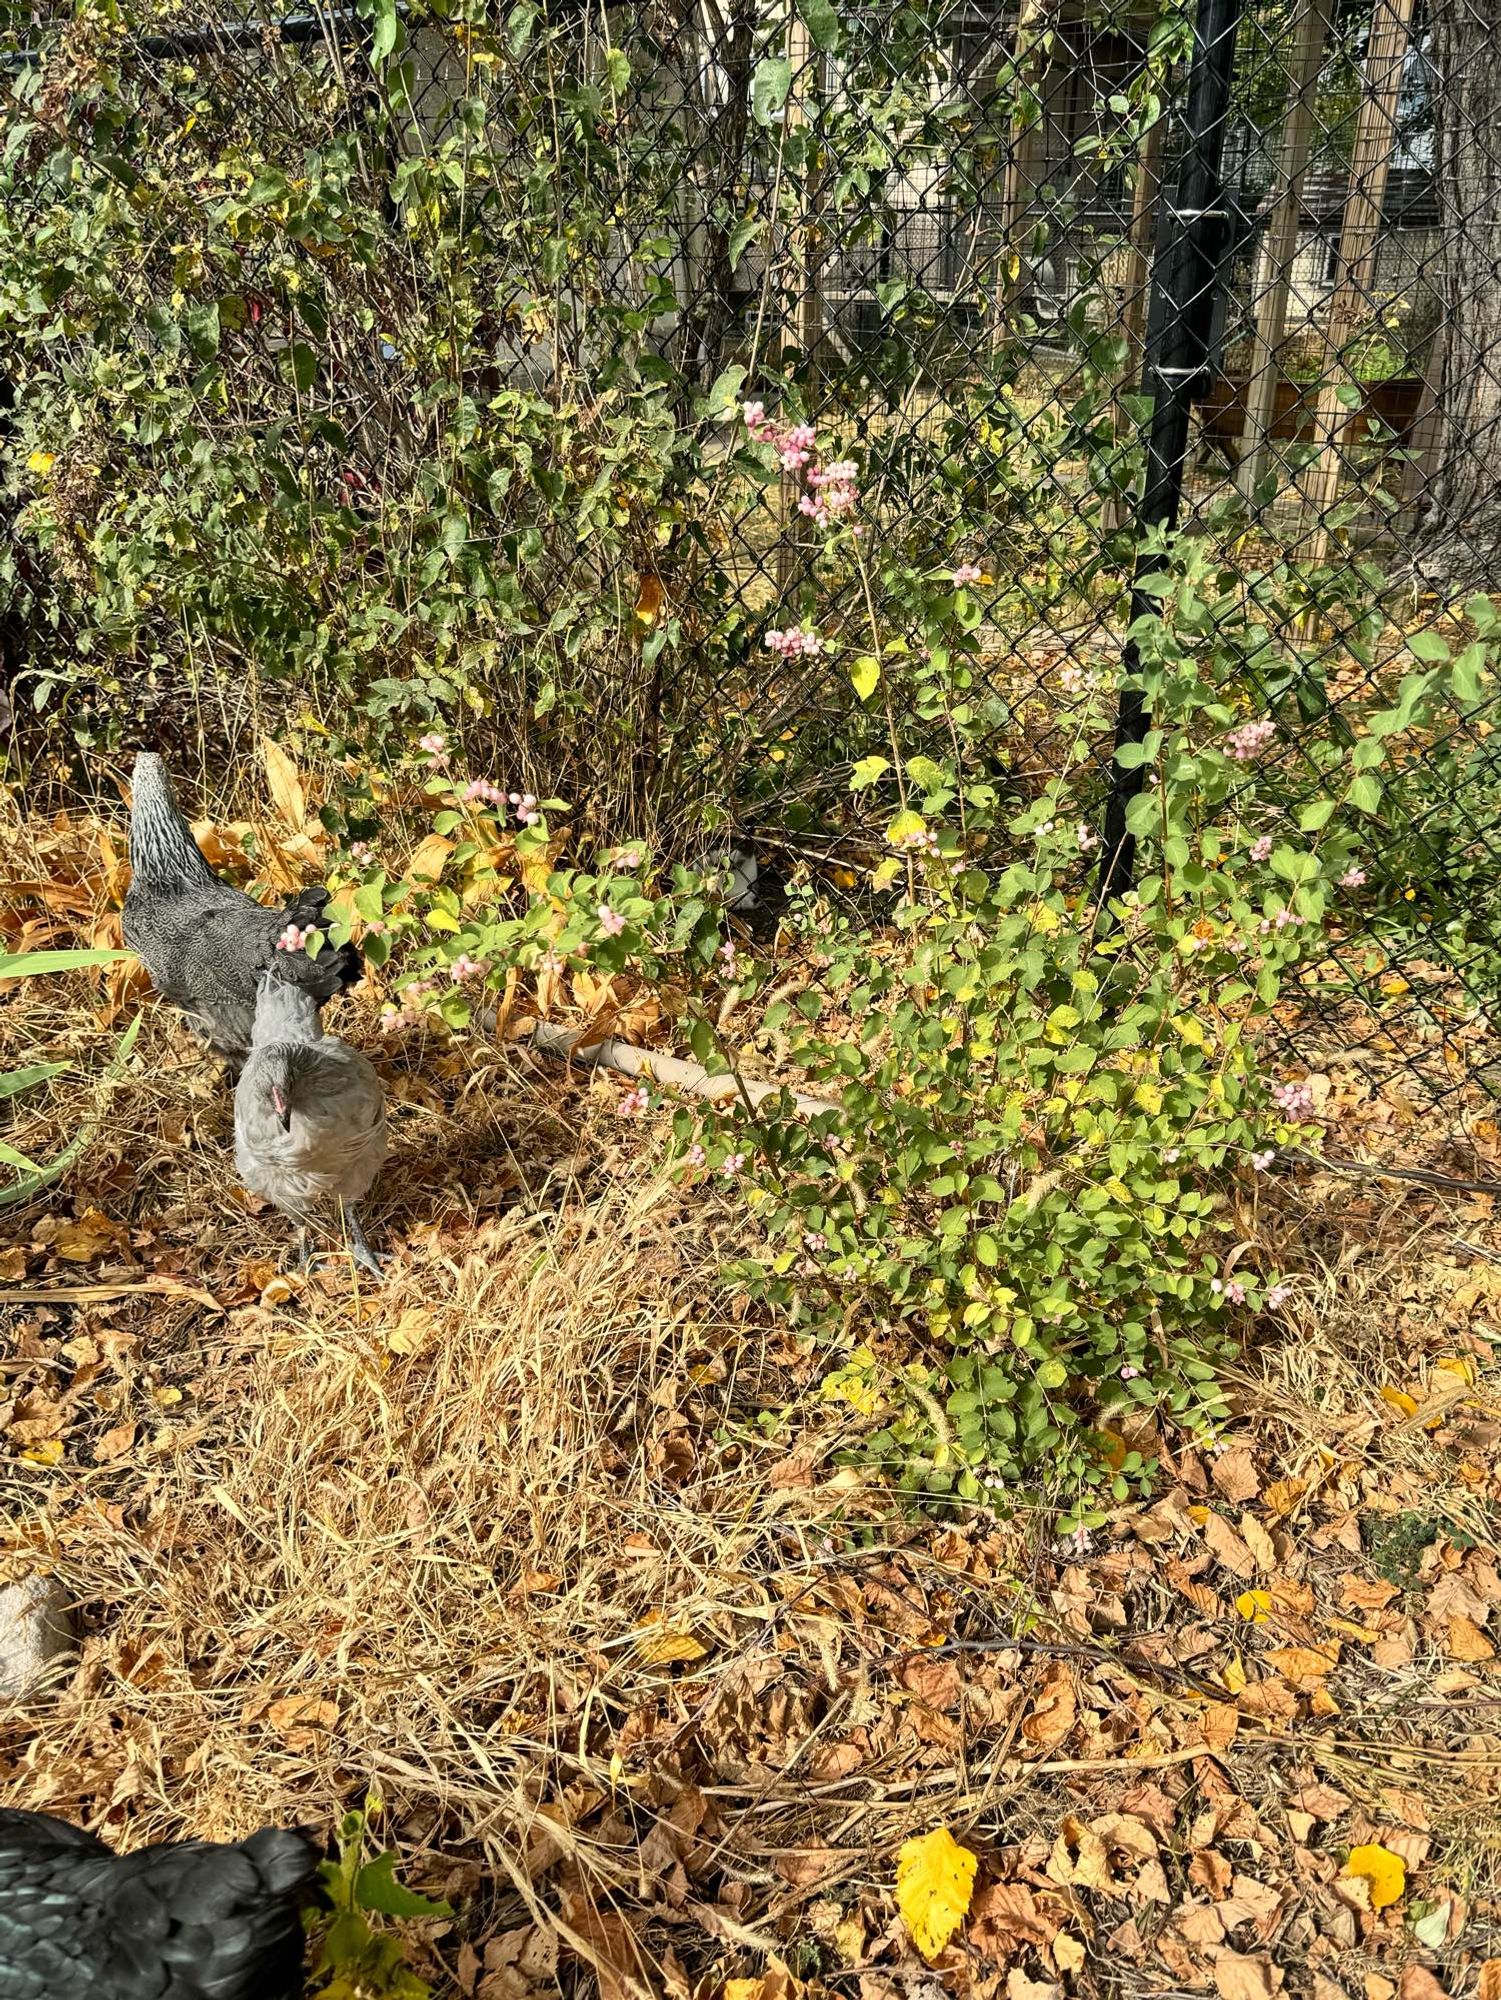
[353,1958]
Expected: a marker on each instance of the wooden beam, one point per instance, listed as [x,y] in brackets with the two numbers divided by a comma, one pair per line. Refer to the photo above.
[1279,243]
[1355,265]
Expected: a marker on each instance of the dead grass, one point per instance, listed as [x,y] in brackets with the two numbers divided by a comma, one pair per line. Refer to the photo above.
[547,1544]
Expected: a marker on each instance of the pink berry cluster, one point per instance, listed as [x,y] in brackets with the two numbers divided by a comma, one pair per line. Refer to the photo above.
[434,746]
[1278,1295]
[362,853]
[633,1103]
[1261,847]
[1234,1293]
[921,840]
[611,922]
[1086,836]
[794,643]
[731,958]
[292,939]
[626,861]
[407,1010]
[464,967]
[967,573]
[1294,1101]
[1262,1160]
[833,490]
[1353,878]
[1247,743]
[480,791]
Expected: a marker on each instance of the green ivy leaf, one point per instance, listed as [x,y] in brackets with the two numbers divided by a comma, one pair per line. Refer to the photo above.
[769,88]
[745,232]
[725,392]
[386,30]
[1427,646]
[1311,818]
[376,1888]
[867,771]
[1365,792]
[822,21]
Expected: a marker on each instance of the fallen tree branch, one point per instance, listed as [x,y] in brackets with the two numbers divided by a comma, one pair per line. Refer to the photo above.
[689,1077]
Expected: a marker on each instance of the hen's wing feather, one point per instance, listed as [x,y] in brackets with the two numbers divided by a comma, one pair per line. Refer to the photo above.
[190,1922]
[207,945]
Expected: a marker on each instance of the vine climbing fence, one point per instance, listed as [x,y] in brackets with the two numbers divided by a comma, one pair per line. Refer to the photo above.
[373,365]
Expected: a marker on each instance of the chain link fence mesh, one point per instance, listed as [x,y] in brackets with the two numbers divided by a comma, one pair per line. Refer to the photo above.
[356,359]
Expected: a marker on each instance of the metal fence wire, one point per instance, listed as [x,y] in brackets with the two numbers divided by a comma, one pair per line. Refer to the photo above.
[363,356]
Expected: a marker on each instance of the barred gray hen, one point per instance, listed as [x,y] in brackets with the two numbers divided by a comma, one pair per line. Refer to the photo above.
[204,942]
[193,1921]
[310,1115]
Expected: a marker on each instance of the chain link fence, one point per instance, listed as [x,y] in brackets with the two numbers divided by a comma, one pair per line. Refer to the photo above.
[377,364]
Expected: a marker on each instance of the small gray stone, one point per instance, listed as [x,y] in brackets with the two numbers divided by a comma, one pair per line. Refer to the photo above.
[36,1635]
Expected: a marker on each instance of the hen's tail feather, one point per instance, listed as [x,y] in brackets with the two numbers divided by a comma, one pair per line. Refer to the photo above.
[162,847]
[336,967]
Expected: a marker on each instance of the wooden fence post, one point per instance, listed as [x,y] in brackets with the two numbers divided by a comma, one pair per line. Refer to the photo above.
[1279,244]
[1355,265]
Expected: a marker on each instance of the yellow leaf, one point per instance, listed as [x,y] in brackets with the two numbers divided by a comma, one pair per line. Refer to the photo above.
[48,1452]
[285,785]
[660,1644]
[1457,1364]
[1386,1872]
[1400,1400]
[935,1878]
[649,599]
[1233,1675]
[41,462]
[426,865]
[411,1332]
[1254,1606]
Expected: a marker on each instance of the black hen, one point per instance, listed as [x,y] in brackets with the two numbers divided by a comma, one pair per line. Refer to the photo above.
[188,1922]
[204,942]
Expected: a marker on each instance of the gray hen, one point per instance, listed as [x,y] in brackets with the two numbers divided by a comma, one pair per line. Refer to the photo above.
[188,1922]
[204,942]
[310,1114]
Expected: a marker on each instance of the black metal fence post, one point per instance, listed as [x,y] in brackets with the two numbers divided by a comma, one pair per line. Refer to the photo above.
[1175,367]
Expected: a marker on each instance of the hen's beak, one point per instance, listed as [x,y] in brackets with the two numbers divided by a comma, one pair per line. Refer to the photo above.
[283,1109]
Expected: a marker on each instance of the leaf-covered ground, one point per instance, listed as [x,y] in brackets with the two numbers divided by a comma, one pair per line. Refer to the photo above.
[551,1548]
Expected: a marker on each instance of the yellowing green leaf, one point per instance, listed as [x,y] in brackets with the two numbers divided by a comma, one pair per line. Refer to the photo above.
[1384,1871]
[41,462]
[935,1878]
[1254,1606]
[904,826]
[866,675]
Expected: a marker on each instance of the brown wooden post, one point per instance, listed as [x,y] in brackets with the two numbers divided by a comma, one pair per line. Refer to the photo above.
[1141,242]
[1359,238]
[1279,244]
